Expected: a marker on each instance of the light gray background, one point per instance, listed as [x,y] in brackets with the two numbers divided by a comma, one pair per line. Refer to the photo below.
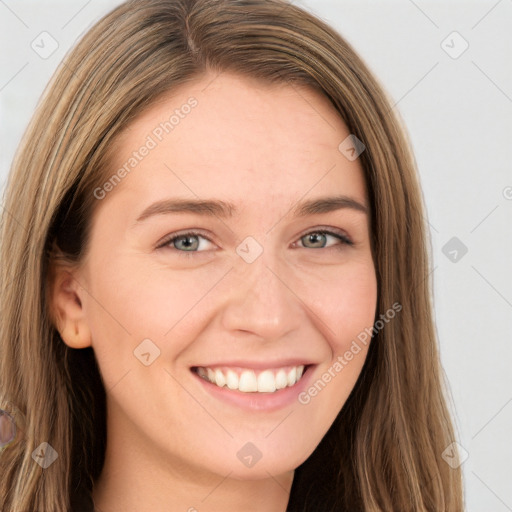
[458,112]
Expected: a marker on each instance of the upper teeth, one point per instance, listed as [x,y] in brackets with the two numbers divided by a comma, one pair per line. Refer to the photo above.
[248,381]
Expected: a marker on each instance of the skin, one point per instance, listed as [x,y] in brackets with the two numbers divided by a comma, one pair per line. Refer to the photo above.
[172,446]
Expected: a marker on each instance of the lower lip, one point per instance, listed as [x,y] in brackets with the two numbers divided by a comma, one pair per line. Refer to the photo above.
[255,401]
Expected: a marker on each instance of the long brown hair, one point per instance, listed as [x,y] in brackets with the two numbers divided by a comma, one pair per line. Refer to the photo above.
[384,450]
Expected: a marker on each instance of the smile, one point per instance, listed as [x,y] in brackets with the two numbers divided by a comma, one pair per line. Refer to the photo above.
[251,381]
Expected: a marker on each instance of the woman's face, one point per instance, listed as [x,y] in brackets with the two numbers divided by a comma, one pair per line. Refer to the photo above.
[255,294]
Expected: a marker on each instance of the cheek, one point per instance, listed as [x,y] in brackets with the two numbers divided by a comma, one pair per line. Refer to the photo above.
[344,307]
[345,301]
[130,302]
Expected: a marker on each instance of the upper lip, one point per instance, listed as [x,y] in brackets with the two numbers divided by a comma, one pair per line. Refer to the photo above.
[257,365]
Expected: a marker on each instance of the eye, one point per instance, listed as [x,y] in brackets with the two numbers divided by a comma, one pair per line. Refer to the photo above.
[318,239]
[184,242]
[190,241]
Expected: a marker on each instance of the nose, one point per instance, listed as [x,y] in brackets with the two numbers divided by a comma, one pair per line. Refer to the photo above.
[261,300]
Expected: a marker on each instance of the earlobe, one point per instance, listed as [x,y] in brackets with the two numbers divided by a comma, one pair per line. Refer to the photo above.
[67,308]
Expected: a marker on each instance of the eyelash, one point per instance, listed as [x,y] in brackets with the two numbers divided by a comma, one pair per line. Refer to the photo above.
[166,244]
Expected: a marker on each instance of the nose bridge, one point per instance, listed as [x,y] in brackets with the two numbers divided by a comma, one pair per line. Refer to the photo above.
[260,300]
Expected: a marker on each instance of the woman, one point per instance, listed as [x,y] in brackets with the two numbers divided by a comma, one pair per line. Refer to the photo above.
[214,277]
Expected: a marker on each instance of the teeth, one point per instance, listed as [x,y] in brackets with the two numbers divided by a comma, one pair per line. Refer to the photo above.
[267,381]
[219,378]
[292,376]
[232,379]
[248,382]
[281,380]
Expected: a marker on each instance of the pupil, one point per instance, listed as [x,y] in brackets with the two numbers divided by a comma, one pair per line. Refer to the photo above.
[186,241]
[313,237]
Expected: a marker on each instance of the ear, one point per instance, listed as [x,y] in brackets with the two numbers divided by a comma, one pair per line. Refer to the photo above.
[66,305]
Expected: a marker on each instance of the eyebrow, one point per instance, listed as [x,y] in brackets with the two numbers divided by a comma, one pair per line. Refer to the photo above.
[223,209]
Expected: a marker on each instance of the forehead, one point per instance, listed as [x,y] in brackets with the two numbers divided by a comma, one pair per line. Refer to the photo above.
[237,138]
